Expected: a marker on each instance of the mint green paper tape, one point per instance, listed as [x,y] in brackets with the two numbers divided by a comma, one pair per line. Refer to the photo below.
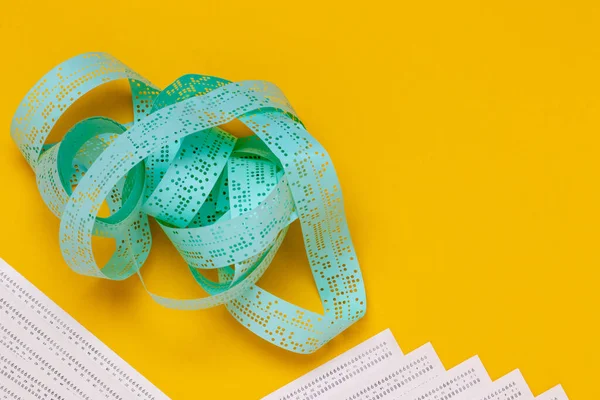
[225,203]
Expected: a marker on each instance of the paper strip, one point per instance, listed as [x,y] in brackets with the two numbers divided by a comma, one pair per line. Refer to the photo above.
[225,203]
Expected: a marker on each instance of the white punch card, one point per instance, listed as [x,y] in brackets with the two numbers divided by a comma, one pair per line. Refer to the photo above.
[511,386]
[556,393]
[463,380]
[379,353]
[415,369]
[46,354]
[375,369]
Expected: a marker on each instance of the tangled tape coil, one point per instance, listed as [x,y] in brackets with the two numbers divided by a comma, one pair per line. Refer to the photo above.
[225,203]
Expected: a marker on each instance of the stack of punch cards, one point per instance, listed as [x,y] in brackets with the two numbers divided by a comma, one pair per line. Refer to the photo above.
[378,370]
[46,354]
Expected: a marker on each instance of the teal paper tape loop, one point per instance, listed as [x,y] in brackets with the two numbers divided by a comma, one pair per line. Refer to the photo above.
[225,203]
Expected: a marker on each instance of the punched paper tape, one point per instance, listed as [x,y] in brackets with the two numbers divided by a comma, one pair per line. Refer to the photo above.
[225,203]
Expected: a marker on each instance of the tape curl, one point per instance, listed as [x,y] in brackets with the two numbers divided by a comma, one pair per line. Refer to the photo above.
[225,203]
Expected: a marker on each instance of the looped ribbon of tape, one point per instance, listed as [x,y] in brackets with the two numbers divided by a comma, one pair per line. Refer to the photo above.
[225,203]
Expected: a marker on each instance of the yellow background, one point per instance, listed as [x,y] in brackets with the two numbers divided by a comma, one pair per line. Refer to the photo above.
[466,138]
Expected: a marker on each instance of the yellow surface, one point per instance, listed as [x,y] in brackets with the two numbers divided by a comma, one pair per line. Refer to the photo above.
[466,138]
